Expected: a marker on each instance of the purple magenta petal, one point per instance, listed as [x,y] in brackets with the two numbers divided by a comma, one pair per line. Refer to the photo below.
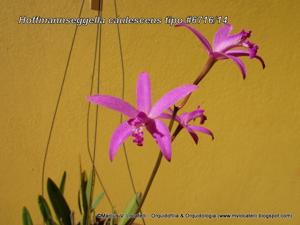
[162,136]
[202,39]
[143,93]
[236,60]
[169,116]
[115,104]
[193,134]
[231,41]
[170,99]
[165,116]
[238,53]
[239,63]
[119,136]
[261,61]
[251,47]
[202,130]
[198,113]
[221,34]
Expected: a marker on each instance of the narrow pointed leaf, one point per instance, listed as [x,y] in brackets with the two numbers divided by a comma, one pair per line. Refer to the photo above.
[89,188]
[112,220]
[26,217]
[97,200]
[62,183]
[130,209]
[73,218]
[45,210]
[59,204]
[84,198]
[79,202]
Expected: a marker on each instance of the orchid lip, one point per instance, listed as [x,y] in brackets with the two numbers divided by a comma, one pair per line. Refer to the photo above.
[138,123]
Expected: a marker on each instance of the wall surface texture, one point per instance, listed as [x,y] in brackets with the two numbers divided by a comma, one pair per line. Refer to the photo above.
[252,166]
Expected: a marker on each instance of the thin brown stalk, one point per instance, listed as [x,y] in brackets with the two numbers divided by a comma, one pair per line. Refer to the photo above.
[58,102]
[92,157]
[121,116]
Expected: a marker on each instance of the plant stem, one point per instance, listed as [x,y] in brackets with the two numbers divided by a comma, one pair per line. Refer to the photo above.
[158,161]
[155,169]
[121,115]
[210,62]
[49,138]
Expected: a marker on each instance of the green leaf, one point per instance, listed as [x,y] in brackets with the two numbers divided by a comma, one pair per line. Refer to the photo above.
[62,182]
[97,200]
[45,210]
[112,220]
[79,202]
[59,204]
[130,209]
[26,217]
[89,188]
[84,199]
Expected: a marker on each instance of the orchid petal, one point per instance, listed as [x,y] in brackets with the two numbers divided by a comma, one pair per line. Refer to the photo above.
[221,34]
[236,60]
[143,93]
[202,130]
[261,61]
[119,136]
[239,63]
[170,99]
[165,116]
[194,114]
[203,40]
[238,53]
[162,136]
[231,41]
[193,134]
[252,48]
[168,116]
[114,104]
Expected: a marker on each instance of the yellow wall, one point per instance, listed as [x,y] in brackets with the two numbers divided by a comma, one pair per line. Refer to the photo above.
[252,166]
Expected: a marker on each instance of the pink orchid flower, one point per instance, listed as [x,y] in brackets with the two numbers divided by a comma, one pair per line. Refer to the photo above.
[184,120]
[144,116]
[229,46]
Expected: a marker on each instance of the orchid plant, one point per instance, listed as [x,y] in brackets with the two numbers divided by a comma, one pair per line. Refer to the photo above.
[151,117]
[225,46]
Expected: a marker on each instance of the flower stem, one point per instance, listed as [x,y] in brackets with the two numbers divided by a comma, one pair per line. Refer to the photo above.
[210,62]
[155,169]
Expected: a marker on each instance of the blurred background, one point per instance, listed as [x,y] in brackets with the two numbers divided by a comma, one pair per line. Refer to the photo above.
[252,166]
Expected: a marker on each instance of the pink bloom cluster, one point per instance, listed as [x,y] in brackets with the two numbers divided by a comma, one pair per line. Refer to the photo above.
[147,116]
